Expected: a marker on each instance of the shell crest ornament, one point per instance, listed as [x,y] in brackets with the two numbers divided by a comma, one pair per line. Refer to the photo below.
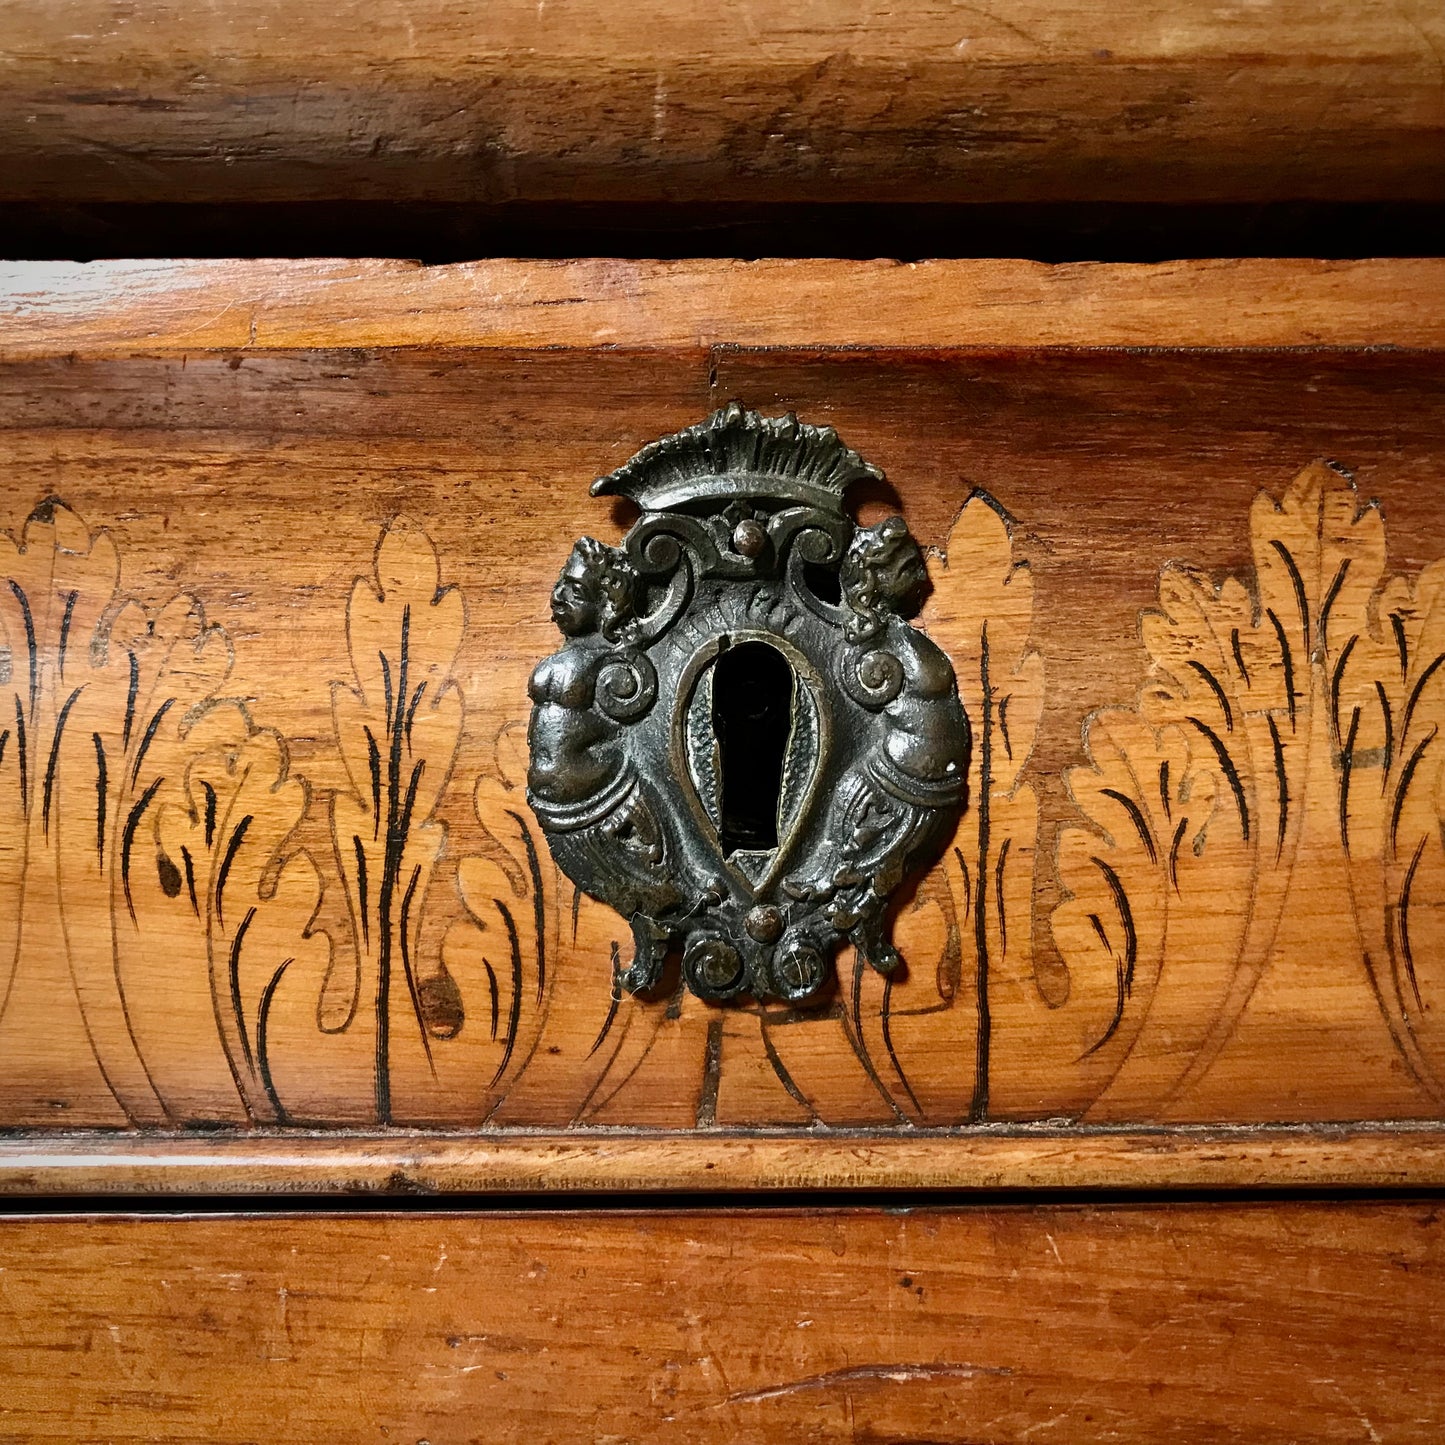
[743,746]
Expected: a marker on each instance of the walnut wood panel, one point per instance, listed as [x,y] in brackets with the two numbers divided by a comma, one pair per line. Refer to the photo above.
[268,616]
[832,100]
[1244,1323]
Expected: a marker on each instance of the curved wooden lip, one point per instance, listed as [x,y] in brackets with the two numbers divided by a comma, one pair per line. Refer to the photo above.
[154,308]
[593,1161]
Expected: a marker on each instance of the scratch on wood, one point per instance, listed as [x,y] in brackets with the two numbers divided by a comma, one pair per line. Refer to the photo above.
[886,1374]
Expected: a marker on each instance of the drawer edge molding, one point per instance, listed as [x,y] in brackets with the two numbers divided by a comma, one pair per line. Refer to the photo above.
[157,308]
[1372,1156]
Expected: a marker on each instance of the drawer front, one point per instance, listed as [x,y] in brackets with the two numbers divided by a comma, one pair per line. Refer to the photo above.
[280,548]
[1295,1322]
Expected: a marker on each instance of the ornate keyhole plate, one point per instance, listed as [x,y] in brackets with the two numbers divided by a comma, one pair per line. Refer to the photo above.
[743,746]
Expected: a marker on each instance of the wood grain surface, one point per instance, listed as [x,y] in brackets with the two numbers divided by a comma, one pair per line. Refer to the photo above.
[1302,1322]
[176,308]
[1193,598]
[823,100]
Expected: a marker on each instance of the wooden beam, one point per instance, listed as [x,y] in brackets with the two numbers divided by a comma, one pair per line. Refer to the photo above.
[580,100]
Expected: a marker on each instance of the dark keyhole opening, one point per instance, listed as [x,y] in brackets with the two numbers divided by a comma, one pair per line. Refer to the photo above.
[752,715]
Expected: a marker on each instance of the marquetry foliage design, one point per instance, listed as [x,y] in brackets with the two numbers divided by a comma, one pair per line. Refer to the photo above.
[1281,766]
[192,934]
[931,1030]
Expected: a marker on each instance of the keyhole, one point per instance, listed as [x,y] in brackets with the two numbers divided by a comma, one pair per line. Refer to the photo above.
[752,715]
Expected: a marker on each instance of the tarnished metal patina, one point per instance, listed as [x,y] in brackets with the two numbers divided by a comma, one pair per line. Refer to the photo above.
[743,746]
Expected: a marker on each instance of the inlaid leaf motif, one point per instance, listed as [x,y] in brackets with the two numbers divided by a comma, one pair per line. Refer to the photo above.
[1387,709]
[109,707]
[97,694]
[536,954]
[1201,806]
[227,911]
[1140,898]
[929,1031]
[398,725]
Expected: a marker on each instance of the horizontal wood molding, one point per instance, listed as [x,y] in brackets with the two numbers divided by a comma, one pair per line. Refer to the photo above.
[602,1161]
[834,100]
[168,308]
[1306,1322]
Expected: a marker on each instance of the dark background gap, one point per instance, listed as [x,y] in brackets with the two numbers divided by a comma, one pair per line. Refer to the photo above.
[436,233]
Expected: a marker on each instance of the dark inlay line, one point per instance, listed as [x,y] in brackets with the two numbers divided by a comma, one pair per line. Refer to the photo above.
[1415,694]
[398,822]
[29,619]
[132,693]
[127,840]
[1336,679]
[785,1078]
[1407,773]
[1281,783]
[362,902]
[1174,854]
[612,1006]
[1298,582]
[1100,934]
[101,799]
[706,1115]
[1140,825]
[373,763]
[65,622]
[210,793]
[1123,967]
[865,1062]
[190,864]
[514,1008]
[1287,657]
[238,1008]
[263,1057]
[22,750]
[1218,691]
[406,967]
[54,759]
[148,738]
[998,897]
[1231,776]
[1404,926]
[1397,626]
[1388,714]
[492,989]
[1347,762]
[1126,915]
[238,836]
[386,681]
[1238,655]
[539,911]
[412,707]
[1329,602]
[1164,788]
[967,879]
[983,1038]
[1003,726]
[886,1023]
